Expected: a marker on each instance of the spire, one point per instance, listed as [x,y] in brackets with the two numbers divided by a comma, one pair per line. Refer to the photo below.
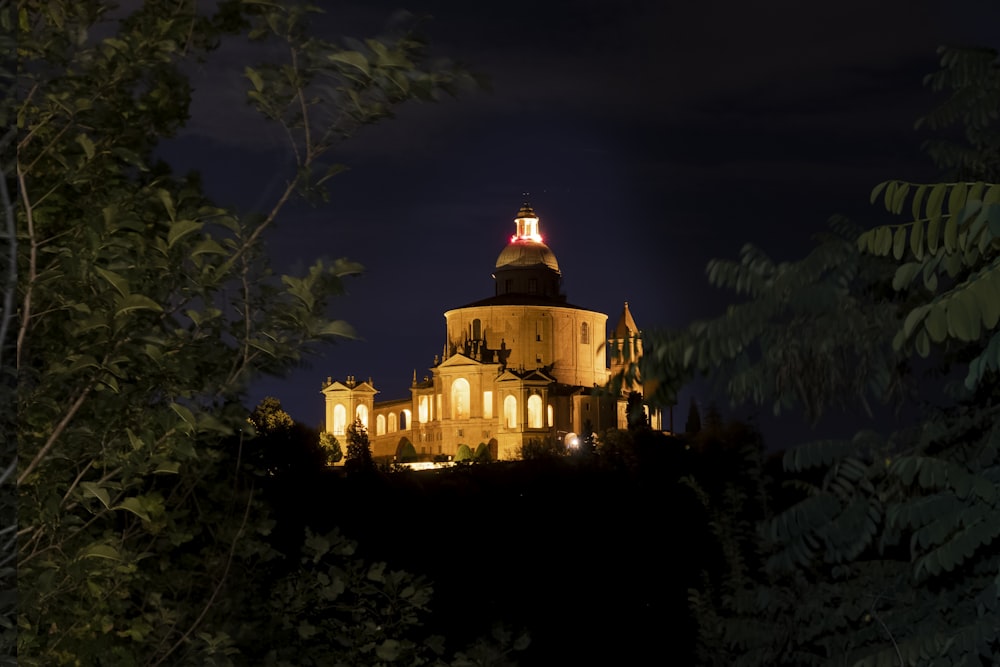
[626,327]
[527,224]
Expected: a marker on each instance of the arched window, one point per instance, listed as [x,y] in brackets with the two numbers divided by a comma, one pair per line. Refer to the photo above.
[362,415]
[534,411]
[339,419]
[392,422]
[405,417]
[510,412]
[380,425]
[585,333]
[551,416]
[424,409]
[460,399]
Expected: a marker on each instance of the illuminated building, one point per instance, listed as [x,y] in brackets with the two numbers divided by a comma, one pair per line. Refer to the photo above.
[522,364]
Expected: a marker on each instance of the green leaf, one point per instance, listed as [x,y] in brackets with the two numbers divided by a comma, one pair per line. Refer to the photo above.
[117,281]
[956,201]
[951,234]
[137,302]
[937,322]
[988,292]
[338,328]
[258,83]
[133,505]
[168,467]
[92,490]
[922,344]
[992,213]
[935,199]
[87,144]
[352,58]
[180,229]
[883,241]
[184,414]
[917,239]
[100,551]
[388,650]
[961,323]
[207,247]
[918,198]
[915,317]
[933,229]
[168,203]
[899,243]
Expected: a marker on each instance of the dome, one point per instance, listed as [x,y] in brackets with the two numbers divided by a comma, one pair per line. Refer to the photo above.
[526,253]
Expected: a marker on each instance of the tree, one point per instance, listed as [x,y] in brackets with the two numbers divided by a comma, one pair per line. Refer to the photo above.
[588,440]
[482,454]
[145,311]
[328,441]
[464,453]
[359,449]
[893,528]
[269,417]
[635,412]
[8,327]
[693,423]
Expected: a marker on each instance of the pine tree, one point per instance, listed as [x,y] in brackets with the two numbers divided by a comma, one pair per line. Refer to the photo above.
[359,449]
[693,423]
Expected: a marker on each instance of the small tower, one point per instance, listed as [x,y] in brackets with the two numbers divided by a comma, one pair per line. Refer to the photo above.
[625,348]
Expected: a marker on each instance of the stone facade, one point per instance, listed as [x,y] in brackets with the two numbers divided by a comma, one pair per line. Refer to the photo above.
[523,364]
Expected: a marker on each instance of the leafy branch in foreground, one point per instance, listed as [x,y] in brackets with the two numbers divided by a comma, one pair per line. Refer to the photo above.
[891,554]
[145,310]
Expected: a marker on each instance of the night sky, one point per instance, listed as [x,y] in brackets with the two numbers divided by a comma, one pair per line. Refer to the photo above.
[651,136]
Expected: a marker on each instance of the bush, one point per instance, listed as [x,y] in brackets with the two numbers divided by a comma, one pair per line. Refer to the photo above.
[536,449]
[482,454]
[407,452]
[464,453]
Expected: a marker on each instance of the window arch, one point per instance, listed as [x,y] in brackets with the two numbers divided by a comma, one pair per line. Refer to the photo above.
[534,411]
[510,412]
[585,333]
[551,416]
[405,418]
[339,419]
[392,422]
[380,425]
[362,415]
[424,409]
[460,399]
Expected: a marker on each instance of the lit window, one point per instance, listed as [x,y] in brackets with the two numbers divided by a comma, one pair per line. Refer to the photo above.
[424,409]
[460,399]
[510,412]
[392,422]
[487,405]
[405,417]
[339,419]
[551,416]
[534,411]
[380,425]
[362,415]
